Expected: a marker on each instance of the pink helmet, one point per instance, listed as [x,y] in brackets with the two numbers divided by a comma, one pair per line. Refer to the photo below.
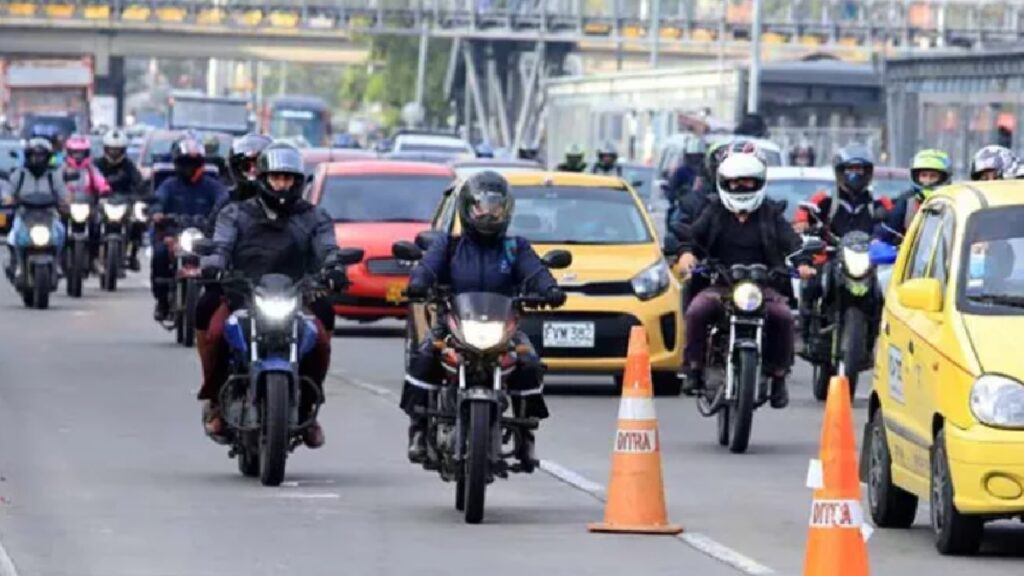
[76,151]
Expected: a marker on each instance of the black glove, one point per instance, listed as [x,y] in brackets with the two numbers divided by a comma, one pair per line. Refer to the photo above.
[555,296]
[416,290]
[336,278]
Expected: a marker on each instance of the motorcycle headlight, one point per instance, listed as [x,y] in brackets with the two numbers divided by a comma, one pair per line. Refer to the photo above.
[858,264]
[276,309]
[139,211]
[188,237]
[998,401]
[747,297]
[40,235]
[651,281]
[115,212]
[482,335]
[79,212]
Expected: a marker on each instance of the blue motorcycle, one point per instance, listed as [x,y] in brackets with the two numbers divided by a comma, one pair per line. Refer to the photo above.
[36,246]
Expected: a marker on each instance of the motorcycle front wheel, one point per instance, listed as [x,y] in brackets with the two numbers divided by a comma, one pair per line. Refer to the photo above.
[746,387]
[189,320]
[112,268]
[74,271]
[855,334]
[41,287]
[274,441]
[477,459]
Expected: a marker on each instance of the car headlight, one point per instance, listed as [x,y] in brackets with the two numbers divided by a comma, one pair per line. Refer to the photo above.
[747,297]
[276,309]
[482,335]
[114,212]
[40,235]
[651,281]
[998,401]
[188,237]
[79,212]
[139,211]
[858,264]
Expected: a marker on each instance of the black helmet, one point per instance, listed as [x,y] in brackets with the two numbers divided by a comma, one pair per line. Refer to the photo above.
[38,153]
[244,152]
[280,158]
[802,155]
[607,155]
[850,156]
[188,157]
[485,204]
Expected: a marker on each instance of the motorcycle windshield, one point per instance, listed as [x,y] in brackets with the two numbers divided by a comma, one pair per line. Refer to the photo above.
[482,307]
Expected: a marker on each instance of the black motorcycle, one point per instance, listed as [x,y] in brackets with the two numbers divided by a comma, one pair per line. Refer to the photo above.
[137,225]
[268,337]
[76,254]
[843,323]
[33,270]
[467,429]
[181,233]
[113,228]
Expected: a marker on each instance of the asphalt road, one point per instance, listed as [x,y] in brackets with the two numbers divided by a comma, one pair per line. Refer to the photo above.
[104,471]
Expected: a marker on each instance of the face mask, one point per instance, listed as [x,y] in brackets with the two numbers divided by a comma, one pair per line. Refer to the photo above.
[977,266]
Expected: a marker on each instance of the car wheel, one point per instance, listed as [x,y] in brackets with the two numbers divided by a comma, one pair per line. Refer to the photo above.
[891,506]
[955,533]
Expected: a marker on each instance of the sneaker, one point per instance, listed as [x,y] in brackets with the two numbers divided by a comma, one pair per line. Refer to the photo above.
[693,382]
[525,452]
[160,312]
[134,264]
[417,443]
[313,436]
[779,397]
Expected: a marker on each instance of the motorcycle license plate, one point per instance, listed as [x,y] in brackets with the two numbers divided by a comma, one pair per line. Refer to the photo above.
[568,334]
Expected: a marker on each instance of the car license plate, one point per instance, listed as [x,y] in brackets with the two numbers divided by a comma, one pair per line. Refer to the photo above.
[568,334]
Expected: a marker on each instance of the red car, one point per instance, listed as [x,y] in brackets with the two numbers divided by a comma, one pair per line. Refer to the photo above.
[374,204]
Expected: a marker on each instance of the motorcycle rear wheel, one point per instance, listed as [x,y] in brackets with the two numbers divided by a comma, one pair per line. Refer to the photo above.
[746,387]
[477,460]
[274,439]
[189,320]
[822,375]
[41,287]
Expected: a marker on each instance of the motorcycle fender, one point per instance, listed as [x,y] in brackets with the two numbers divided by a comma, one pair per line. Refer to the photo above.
[260,370]
[36,260]
[745,345]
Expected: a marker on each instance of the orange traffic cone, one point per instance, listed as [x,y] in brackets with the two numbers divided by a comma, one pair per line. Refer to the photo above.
[636,495]
[836,537]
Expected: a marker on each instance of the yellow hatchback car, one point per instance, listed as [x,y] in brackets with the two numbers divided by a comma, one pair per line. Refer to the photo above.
[947,408]
[618,278]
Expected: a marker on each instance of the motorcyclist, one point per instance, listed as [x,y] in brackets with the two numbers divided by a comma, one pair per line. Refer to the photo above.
[802,155]
[36,177]
[930,170]
[992,163]
[211,148]
[124,179]
[575,160]
[607,163]
[85,181]
[483,259]
[190,192]
[274,232]
[739,227]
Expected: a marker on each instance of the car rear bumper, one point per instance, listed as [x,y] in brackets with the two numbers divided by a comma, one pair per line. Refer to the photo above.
[987,465]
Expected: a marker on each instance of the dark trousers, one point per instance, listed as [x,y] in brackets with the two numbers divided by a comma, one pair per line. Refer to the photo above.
[707,307]
[525,383]
[161,271]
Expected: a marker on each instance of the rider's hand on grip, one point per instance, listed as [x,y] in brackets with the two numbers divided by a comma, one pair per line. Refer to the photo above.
[687,262]
[806,272]
[336,278]
[555,296]
[416,290]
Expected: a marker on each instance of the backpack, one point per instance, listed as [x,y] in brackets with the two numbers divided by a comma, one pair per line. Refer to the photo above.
[16,194]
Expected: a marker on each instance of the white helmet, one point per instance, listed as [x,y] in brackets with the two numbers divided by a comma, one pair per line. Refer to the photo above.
[746,167]
[115,139]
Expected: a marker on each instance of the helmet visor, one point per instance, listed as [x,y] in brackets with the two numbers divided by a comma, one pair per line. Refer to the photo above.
[282,160]
[488,205]
[745,185]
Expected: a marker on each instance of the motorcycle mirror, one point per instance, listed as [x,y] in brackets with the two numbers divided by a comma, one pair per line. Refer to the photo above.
[349,256]
[407,251]
[557,259]
[672,246]
[813,246]
[426,238]
[202,246]
[882,253]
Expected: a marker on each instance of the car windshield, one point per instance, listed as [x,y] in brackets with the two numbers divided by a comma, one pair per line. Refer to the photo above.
[434,148]
[992,270]
[382,198]
[890,187]
[578,215]
[795,190]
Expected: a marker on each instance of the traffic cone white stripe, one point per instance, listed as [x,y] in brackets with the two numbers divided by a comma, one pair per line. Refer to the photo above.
[638,409]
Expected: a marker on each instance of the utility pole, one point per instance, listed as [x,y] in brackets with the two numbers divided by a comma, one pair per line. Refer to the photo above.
[655,31]
[754,77]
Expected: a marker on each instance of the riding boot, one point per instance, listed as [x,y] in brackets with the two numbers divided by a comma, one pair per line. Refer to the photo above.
[417,440]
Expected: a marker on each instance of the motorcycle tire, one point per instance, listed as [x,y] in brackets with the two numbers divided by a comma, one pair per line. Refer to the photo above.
[823,374]
[189,320]
[478,448]
[179,317]
[746,388]
[112,269]
[274,438]
[855,333]
[41,288]
[248,463]
[723,425]
[74,281]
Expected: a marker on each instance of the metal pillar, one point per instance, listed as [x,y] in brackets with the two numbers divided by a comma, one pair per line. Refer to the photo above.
[527,104]
[754,78]
[473,85]
[655,31]
[497,95]
[421,72]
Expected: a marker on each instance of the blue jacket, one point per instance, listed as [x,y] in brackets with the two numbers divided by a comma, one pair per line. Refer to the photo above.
[177,197]
[469,266]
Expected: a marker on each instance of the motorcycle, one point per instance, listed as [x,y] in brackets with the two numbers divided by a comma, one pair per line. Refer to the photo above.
[268,336]
[113,225]
[76,254]
[466,427]
[187,230]
[138,222]
[34,269]
[843,323]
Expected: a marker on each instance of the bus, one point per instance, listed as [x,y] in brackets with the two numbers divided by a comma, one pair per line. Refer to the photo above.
[298,117]
[195,111]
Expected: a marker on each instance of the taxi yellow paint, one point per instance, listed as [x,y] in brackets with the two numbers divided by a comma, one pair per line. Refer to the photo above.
[283,19]
[96,12]
[928,358]
[171,14]
[211,16]
[136,13]
[21,9]
[605,264]
[59,10]
[251,18]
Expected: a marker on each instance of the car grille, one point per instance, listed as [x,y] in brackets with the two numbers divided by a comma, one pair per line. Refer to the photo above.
[388,267]
[601,289]
[611,333]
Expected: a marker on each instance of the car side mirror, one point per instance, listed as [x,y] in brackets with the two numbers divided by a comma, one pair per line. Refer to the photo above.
[349,256]
[427,238]
[407,251]
[557,259]
[924,294]
[672,246]
[202,246]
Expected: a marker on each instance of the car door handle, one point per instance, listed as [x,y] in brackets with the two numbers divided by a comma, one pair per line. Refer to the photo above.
[910,347]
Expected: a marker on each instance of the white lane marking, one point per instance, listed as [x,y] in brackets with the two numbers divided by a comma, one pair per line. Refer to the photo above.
[307,496]
[698,542]
[7,567]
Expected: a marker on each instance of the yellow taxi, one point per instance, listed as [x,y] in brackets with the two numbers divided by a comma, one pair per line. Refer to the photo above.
[947,408]
[618,278]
